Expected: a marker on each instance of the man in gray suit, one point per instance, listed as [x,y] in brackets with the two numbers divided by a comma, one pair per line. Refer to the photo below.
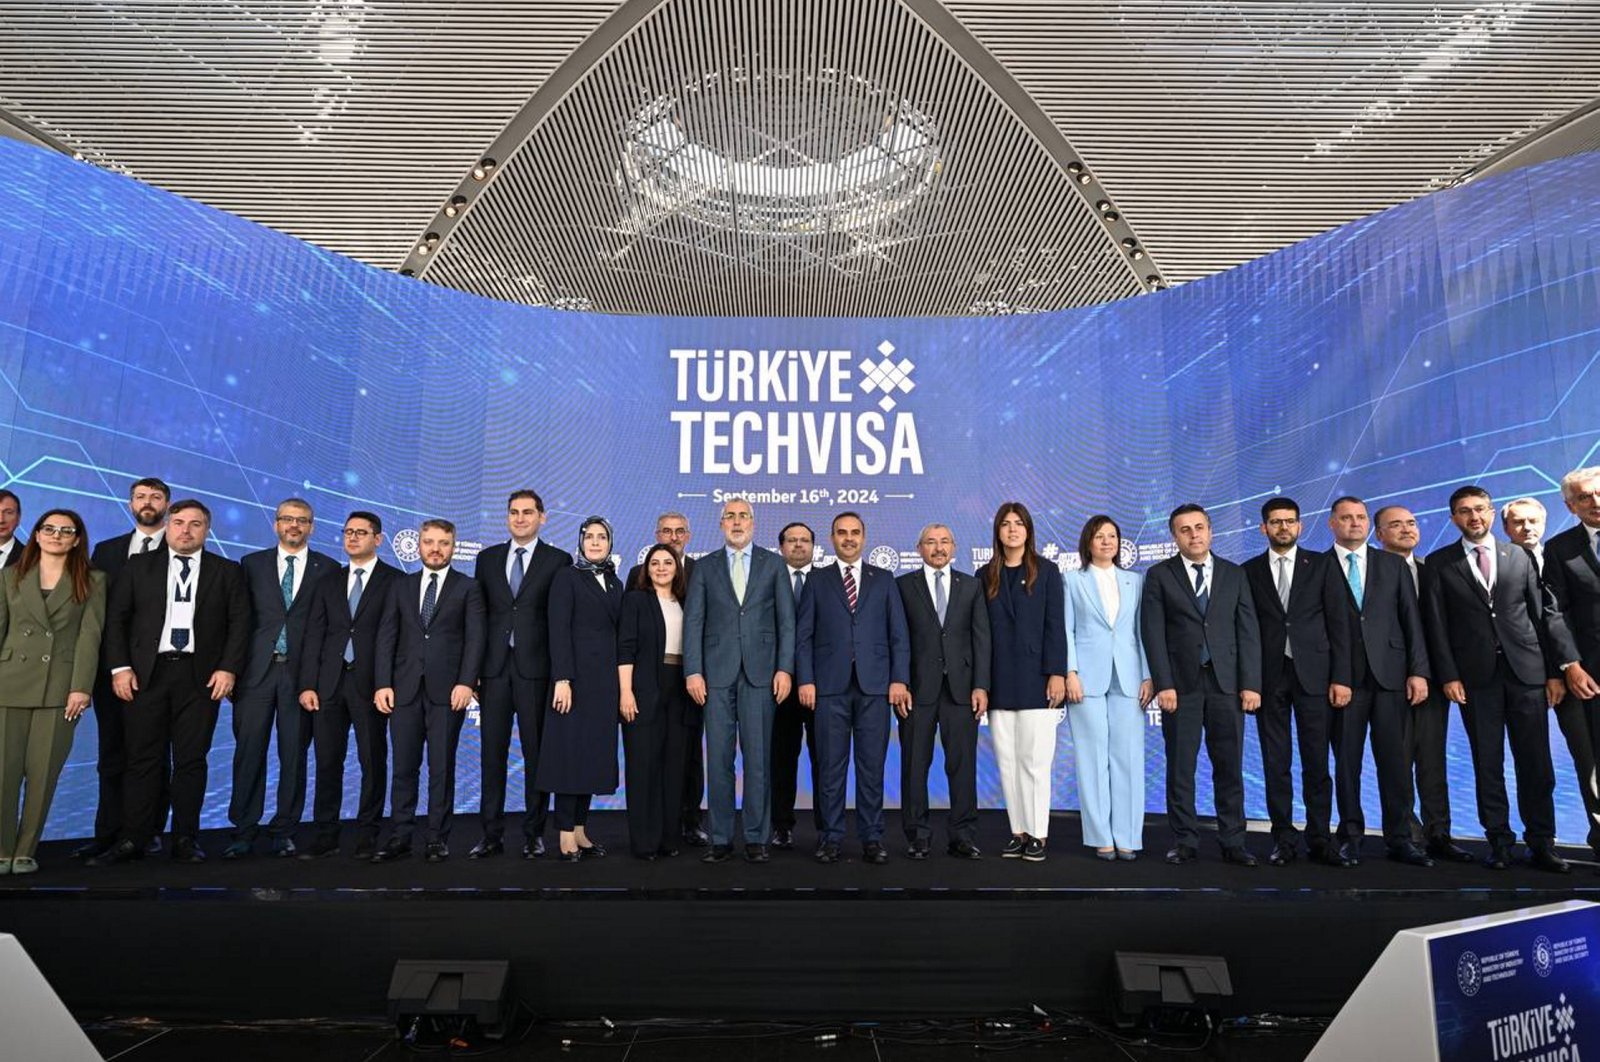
[738,662]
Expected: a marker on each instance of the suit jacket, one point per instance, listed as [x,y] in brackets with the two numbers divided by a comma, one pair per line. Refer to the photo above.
[831,643]
[266,606]
[329,627]
[1027,638]
[49,645]
[527,614]
[1315,626]
[136,612]
[1176,634]
[15,557]
[1386,633]
[1572,575]
[1100,650]
[721,637]
[111,554]
[641,641]
[1466,625]
[959,652]
[417,661]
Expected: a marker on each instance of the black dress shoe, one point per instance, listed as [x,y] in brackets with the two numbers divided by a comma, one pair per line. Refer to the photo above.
[1239,857]
[756,853]
[1447,851]
[963,850]
[321,848]
[717,853]
[153,846]
[238,850]
[121,852]
[783,838]
[184,850]
[1499,857]
[873,852]
[667,853]
[569,857]
[593,850]
[695,837]
[1544,857]
[648,857]
[486,849]
[1181,853]
[1410,855]
[92,850]
[1329,856]
[366,847]
[1350,853]
[392,849]
[1282,854]
[436,852]
[282,848]
[917,849]
[827,852]
[534,849]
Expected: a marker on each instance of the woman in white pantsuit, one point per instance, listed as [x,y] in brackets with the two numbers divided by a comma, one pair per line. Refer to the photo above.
[1107,689]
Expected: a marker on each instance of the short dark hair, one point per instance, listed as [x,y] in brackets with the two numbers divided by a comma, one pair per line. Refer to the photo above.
[372,518]
[847,513]
[794,524]
[1343,499]
[4,494]
[1184,510]
[189,503]
[438,524]
[152,483]
[1272,505]
[538,502]
[1472,490]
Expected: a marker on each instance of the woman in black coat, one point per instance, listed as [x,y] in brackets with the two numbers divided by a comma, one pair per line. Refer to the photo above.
[658,717]
[578,751]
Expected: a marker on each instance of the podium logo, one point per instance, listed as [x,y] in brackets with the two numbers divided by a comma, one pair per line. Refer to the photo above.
[406,545]
[1544,959]
[1469,973]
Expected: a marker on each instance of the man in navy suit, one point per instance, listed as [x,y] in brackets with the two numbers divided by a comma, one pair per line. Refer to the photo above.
[429,653]
[336,686]
[738,662]
[10,517]
[281,580]
[853,663]
[515,577]
[1200,633]
[1572,574]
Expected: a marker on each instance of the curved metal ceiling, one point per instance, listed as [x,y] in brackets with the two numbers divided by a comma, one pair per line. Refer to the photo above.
[802,156]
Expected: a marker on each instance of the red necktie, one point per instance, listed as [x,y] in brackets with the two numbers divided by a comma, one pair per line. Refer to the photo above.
[849,588]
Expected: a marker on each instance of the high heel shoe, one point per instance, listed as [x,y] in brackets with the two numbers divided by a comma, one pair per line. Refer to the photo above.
[570,857]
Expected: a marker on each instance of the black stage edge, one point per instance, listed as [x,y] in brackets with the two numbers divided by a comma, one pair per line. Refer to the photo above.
[268,938]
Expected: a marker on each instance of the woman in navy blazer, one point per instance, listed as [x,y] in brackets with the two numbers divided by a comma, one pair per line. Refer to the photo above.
[657,715]
[1107,690]
[1028,635]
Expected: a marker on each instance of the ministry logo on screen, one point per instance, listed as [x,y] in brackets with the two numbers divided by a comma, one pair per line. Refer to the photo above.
[407,545]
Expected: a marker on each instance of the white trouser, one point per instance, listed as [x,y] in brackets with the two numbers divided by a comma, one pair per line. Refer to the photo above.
[1024,750]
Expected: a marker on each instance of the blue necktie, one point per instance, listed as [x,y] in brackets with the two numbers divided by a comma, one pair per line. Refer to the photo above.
[183,592]
[430,600]
[355,602]
[517,572]
[1202,599]
[1353,574]
[286,585]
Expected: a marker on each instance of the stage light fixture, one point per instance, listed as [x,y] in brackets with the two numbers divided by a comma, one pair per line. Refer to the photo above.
[1074,168]
[408,272]
[1173,994]
[482,170]
[457,204]
[1104,206]
[1112,215]
[1130,243]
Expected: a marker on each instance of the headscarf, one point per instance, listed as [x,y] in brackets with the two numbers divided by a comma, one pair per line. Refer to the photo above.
[584,564]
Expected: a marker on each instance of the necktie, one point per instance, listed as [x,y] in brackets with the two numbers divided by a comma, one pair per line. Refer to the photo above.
[1594,544]
[518,570]
[148,542]
[799,583]
[850,586]
[1416,580]
[430,600]
[1483,564]
[1283,582]
[738,576]
[1353,575]
[939,600]
[183,592]
[1202,596]
[286,587]
[355,602]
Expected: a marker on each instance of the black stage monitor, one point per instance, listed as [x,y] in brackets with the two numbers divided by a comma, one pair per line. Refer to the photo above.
[1168,993]
[433,1002]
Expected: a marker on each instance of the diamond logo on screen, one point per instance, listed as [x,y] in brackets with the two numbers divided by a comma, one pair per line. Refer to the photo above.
[1544,959]
[885,557]
[1469,973]
[887,376]
[406,545]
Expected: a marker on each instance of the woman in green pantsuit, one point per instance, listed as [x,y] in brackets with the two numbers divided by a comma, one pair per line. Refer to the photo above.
[52,606]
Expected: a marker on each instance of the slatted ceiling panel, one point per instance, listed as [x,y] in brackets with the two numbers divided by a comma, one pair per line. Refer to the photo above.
[1229,130]
[343,122]
[783,157]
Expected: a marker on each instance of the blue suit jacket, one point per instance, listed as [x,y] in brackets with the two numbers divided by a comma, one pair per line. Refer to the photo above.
[1094,645]
[266,606]
[721,637]
[1029,637]
[831,641]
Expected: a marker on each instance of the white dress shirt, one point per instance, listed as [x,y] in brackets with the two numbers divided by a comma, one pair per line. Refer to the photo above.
[1472,561]
[1209,565]
[366,578]
[672,616]
[1360,554]
[5,551]
[1105,582]
[136,542]
[927,574]
[527,558]
[299,568]
[422,593]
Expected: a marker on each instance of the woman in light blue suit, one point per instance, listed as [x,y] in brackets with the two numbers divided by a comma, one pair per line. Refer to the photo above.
[1107,692]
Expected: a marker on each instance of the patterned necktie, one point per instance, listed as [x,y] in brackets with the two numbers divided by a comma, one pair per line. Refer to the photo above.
[940,602]
[1352,574]
[1483,564]
[850,587]
[355,602]
[1202,595]
[430,600]
[738,576]
[183,592]
[1283,582]
[148,542]
[286,587]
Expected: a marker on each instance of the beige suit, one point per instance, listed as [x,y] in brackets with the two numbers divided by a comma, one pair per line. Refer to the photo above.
[49,648]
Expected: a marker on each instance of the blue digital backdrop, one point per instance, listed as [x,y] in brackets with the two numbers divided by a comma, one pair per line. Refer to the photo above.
[1445,341]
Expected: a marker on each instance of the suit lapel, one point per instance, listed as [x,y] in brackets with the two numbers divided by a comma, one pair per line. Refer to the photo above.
[32,597]
[1094,595]
[1181,570]
[1461,568]
[926,598]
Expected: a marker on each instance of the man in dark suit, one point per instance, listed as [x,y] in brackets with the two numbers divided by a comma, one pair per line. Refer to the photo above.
[1389,676]
[1524,521]
[281,581]
[177,628]
[853,663]
[515,577]
[794,725]
[10,517]
[1305,673]
[336,686]
[738,662]
[1492,654]
[1397,533]
[1201,637]
[672,529]
[1572,575]
[147,500]
[429,654]
[947,619]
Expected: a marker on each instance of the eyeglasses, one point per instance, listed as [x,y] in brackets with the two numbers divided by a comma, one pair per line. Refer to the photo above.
[52,531]
[298,521]
[1283,521]
[356,532]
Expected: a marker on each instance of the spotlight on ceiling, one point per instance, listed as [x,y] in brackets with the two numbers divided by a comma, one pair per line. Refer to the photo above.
[457,204]
[1112,215]
[482,170]
[1104,206]
[408,272]
[1074,168]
